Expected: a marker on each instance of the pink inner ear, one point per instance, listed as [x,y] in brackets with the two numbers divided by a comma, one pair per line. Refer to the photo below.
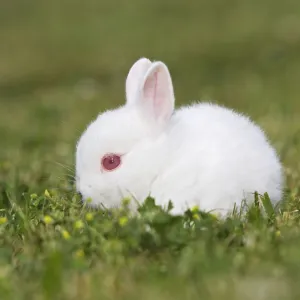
[154,91]
[150,87]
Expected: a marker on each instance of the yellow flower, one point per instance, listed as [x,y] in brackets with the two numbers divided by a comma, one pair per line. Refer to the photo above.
[278,233]
[126,201]
[48,220]
[89,216]
[123,221]
[3,220]
[88,200]
[79,253]
[47,194]
[214,215]
[78,224]
[196,216]
[66,234]
[195,209]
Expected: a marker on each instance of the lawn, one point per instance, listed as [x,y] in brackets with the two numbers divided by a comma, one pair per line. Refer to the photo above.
[63,62]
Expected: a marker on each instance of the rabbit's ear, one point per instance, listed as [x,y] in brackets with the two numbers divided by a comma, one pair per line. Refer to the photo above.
[157,93]
[134,78]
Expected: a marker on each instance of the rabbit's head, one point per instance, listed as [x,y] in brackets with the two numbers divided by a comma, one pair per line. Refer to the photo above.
[120,153]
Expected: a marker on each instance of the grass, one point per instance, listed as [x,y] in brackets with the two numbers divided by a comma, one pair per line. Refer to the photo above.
[54,248]
[62,62]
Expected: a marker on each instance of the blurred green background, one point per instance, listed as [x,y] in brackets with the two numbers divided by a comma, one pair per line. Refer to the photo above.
[63,62]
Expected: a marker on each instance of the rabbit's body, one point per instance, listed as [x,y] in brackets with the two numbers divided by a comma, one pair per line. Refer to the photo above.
[206,134]
[203,154]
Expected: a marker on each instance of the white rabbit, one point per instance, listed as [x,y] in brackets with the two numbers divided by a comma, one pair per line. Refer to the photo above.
[202,154]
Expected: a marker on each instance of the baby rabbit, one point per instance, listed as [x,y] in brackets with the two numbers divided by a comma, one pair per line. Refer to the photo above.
[202,154]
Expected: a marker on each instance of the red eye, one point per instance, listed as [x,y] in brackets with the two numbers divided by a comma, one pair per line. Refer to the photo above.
[110,162]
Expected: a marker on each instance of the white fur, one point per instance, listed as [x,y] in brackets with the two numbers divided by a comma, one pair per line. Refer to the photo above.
[135,75]
[202,154]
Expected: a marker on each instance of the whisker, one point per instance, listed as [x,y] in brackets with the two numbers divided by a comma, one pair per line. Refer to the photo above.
[70,176]
[65,167]
[67,176]
[76,130]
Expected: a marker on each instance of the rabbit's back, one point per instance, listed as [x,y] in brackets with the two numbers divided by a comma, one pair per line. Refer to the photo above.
[217,157]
